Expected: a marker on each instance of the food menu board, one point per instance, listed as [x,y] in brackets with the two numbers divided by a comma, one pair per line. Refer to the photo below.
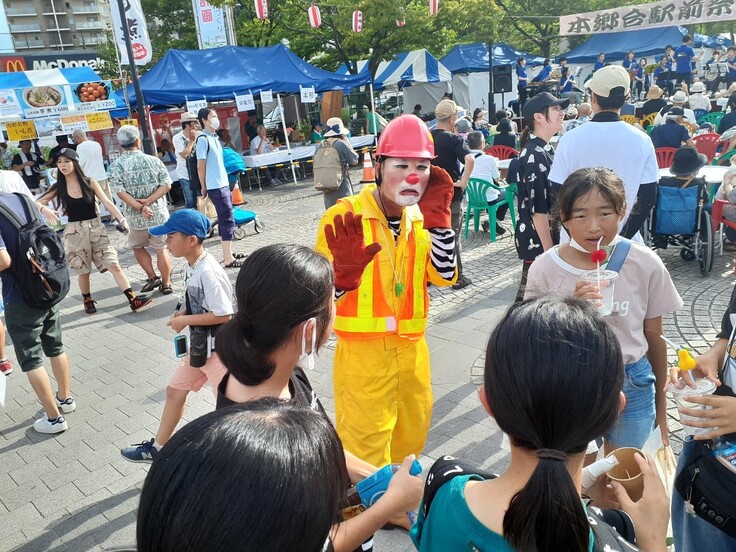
[9,105]
[70,123]
[21,130]
[99,121]
[85,97]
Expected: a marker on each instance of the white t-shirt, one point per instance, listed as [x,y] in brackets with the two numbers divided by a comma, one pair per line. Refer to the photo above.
[11,183]
[91,161]
[643,290]
[689,117]
[255,143]
[618,146]
[180,143]
[486,168]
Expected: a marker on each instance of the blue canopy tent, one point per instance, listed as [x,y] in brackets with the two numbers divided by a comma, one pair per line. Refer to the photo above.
[217,73]
[646,43]
[472,58]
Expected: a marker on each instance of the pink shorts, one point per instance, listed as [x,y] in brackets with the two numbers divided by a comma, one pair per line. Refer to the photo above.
[186,378]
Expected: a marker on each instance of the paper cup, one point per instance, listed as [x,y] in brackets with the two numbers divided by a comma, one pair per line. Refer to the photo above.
[607,279]
[703,387]
[627,472]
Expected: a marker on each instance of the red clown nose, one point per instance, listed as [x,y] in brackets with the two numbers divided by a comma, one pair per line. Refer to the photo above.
[413,178]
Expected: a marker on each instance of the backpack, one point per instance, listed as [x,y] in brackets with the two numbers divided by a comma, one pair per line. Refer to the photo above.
[194,184]
[328,168]
[43,275]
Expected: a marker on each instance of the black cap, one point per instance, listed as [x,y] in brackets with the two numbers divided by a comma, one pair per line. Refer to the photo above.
[70,153]
[539,102]
[676,112]
[687,161]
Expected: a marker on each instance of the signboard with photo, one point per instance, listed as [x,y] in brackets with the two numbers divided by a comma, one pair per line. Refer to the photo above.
[42,101]
[93,96]
[70,123]
[50,126]
[9,105]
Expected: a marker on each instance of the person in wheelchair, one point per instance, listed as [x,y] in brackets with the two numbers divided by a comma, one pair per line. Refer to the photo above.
[686,164]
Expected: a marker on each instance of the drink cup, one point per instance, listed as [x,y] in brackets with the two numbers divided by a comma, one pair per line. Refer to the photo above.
[608,280]
[627,472]
[703,387]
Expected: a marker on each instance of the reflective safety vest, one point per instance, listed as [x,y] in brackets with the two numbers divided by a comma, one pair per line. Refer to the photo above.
[392,297]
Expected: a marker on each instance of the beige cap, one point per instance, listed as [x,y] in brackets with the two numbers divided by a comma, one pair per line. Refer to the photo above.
[607,78]
[188,117]
[679,97]
[445,109]
[655,92]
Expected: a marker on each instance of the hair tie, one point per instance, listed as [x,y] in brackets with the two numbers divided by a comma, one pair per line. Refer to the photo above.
[244,323]
[551,454]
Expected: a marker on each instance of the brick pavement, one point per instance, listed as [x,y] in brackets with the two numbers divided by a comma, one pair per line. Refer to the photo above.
[73,492]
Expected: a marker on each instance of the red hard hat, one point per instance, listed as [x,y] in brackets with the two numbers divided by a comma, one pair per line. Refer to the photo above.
[406,136]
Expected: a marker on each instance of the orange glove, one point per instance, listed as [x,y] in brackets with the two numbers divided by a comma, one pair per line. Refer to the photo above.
[350,255]
[435,203]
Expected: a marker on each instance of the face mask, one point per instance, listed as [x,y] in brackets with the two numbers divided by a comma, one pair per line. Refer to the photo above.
[215,122]
[576,245]
[306,360]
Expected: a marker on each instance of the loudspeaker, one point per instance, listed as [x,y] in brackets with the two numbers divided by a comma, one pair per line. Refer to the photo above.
[501,79]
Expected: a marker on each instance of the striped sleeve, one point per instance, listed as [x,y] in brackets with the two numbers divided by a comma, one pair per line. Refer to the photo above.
[442,254]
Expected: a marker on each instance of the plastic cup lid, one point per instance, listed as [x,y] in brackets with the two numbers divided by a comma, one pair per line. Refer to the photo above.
[703,386]
[592,275]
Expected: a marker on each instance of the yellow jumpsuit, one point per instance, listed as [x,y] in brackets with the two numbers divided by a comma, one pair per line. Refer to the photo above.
[383,394]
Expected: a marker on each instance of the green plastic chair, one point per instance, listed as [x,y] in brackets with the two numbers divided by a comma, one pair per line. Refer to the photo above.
[712,118]
[725,157]
[477,203]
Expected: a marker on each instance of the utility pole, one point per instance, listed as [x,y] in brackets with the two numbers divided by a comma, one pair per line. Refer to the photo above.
[141,106]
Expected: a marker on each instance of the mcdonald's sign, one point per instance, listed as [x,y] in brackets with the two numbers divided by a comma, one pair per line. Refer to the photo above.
[12,64]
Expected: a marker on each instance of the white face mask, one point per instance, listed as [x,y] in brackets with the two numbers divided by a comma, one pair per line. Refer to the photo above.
[576,245]
[306,360]
[215,122]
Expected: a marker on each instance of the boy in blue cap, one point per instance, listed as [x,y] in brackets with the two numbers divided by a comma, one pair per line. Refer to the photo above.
[205,304]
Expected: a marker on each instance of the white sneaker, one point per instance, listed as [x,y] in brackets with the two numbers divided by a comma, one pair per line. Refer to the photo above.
[44,425]
[67,405]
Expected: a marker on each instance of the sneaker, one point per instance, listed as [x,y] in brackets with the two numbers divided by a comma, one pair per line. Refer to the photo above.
[140,302]
[67,405]
[44,425]
[5,367]
[89,306]
[142,452]
[462,282]
[500,230]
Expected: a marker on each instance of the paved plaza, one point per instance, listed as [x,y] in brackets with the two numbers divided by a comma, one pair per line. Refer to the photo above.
[74,492]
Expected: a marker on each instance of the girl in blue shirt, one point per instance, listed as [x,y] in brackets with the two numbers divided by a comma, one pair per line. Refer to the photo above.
[523,80]
[552,382]
[639,77]
[566,86]
[629,62]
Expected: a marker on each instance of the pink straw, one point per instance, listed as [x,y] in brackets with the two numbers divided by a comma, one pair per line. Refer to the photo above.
[598,263]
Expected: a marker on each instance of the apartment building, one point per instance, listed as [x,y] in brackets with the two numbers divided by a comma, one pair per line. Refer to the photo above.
[56,25]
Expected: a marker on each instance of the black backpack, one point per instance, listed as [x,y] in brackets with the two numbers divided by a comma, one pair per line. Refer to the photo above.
[194,184]
[41,271]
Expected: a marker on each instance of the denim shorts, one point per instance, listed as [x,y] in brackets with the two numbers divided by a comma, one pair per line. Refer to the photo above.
[636,422]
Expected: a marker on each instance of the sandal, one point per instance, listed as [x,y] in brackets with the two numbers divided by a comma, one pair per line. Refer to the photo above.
[239,256]
[151,284]
[235,264]
[166,289]
[89,306]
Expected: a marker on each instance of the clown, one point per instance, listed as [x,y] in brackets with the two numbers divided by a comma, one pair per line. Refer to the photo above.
[385,244]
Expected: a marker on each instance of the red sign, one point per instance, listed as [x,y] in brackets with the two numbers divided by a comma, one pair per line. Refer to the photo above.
[12,64]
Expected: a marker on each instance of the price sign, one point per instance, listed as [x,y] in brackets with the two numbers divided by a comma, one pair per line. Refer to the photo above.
[71,123]
[21,130]
[194,106]
[245,102]
[266,96]
[308,94]
[133,122]
[99,121]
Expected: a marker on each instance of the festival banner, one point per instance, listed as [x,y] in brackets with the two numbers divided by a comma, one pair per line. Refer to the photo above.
[70,123]
[142,51]
[210,25]
[261,9]
[99,121]
[21,130]
[646,16]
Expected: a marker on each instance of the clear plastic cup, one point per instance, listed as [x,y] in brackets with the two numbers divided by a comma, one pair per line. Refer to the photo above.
[608,280]
[703,387]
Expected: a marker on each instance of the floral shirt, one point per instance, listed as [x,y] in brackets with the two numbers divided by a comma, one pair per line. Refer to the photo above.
[140,175]
[535,195]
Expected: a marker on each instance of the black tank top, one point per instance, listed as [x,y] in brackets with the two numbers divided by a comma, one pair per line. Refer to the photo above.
[79,209]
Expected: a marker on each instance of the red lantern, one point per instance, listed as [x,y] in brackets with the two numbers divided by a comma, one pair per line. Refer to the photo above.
[261,9]
[315,18]
[402,21]
[357,21]
[433,6]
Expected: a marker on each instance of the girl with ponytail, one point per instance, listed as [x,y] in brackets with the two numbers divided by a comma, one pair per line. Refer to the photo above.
[285,298]
[553,379]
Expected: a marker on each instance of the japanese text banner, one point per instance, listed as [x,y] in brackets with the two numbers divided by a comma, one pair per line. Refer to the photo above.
[136,23]
[646,16]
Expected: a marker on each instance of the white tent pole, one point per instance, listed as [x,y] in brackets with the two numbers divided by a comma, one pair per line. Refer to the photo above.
[286,136]
[373,107]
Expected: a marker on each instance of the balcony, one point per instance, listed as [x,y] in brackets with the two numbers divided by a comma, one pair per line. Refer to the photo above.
[54,9]
[91,25]
[21,44]
[85,9]
[21,12]
[29,28]
[61,45]
[93,41]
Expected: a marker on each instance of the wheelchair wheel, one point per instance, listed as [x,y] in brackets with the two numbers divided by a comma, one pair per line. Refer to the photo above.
[704,243]
[258,226]
[239,233]
[646,231]
[687,254]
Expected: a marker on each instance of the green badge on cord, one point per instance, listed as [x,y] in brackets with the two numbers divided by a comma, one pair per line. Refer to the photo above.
[399,289]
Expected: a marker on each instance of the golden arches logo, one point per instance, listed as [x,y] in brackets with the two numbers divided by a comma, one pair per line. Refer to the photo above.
[14,65]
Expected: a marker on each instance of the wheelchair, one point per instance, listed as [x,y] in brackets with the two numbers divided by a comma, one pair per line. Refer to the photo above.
[680,219]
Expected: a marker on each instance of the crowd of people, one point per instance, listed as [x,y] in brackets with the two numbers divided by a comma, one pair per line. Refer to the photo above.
[270,450]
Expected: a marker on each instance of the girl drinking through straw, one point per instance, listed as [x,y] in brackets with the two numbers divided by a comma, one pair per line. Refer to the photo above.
[590,206]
